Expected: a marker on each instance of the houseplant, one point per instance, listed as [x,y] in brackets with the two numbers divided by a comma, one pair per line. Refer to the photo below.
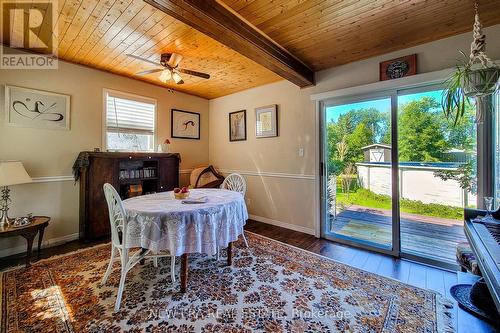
[477,77]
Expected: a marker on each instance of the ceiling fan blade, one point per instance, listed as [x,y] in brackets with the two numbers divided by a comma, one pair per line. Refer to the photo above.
[149,71]
[194,73]
[144,59]
[177,78]
[174,60]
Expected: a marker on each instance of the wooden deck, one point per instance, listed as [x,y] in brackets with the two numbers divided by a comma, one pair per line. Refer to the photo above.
[427,236]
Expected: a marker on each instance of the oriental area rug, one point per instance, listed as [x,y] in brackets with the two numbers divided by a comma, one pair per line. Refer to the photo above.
[271,287]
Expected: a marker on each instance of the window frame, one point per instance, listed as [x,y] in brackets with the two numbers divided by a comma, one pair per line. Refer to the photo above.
[130,96]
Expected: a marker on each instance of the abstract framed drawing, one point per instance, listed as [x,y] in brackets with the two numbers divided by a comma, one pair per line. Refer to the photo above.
[185,124]
[266,121]
[26,107]
[238,125]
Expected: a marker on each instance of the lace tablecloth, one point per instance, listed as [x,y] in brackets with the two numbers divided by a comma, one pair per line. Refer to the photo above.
[160,222]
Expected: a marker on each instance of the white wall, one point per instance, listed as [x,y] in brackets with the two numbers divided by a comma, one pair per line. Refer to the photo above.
[51,153]
[265,162]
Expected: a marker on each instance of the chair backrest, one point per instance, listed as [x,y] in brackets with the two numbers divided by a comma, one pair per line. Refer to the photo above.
[235,182]
[117,215]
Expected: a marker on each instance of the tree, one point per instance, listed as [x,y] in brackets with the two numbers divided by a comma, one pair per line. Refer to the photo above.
[461,135]
[361,136]
[421,137]
[355,129]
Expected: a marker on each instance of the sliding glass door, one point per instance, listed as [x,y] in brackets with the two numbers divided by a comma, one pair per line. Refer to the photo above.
[437,163]
[358,172]
[397,174]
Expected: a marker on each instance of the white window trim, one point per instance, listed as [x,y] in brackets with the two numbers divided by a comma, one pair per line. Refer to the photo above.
[105,92]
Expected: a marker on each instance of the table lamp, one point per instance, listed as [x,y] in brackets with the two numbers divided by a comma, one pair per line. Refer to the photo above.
[11,173]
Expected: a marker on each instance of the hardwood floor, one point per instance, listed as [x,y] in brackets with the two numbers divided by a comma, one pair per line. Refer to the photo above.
[403,270]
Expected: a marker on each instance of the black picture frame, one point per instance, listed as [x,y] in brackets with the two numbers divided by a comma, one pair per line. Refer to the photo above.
[172,127]
[231,114]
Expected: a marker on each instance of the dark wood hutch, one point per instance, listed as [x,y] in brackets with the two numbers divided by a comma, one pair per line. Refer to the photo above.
[130,173]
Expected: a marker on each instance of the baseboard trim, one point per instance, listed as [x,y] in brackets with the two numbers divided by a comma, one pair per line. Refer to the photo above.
[285,225]
[46,243]
[269,174]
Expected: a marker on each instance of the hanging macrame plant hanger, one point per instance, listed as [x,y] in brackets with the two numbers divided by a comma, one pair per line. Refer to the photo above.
[481,80]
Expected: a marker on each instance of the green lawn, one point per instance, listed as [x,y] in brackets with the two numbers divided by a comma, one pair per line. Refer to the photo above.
[366,198]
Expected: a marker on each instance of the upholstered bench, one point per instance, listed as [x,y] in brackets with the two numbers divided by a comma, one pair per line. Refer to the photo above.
[466,259]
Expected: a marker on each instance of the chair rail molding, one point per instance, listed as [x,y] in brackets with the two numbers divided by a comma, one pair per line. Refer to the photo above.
[269,174]
[50,179]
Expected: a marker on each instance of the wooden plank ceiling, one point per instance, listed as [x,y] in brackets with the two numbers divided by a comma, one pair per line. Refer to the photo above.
[328,33]
[99,34]
[322,33]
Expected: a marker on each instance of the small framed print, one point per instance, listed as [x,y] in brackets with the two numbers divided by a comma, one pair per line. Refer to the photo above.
[399,67]
[185,124]
[266,121]
[238,125]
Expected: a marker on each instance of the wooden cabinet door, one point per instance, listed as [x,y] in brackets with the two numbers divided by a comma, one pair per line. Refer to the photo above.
[169,174]
[101,171]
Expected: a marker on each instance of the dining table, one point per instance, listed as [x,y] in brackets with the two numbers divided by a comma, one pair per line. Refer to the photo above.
[160,222]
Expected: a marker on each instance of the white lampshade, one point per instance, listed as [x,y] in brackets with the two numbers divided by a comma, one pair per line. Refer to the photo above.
[12,173]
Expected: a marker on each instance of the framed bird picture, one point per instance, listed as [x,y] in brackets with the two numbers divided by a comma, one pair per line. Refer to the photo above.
[185,124]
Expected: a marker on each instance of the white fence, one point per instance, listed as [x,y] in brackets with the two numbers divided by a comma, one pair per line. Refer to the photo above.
[416,183]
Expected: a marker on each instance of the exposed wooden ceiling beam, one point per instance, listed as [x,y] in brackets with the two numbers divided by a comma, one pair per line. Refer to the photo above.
[227,27]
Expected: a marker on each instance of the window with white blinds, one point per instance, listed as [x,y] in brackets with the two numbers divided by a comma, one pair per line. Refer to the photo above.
[130,122]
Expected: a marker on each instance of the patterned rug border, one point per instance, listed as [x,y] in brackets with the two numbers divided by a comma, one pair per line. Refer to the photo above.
[443,306]
[342,263]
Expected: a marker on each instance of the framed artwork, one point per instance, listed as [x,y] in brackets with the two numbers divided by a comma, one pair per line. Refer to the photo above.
[399,67]
[266,121]
[185,124]
[36,108]
[238,125]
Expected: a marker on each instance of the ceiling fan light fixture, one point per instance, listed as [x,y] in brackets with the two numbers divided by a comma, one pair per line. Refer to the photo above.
[177,78]
[165,75]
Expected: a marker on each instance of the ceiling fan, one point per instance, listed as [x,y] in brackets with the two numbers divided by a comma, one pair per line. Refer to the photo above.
[169,68]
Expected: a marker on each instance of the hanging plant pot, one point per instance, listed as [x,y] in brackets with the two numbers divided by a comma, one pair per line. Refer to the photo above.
[481,82]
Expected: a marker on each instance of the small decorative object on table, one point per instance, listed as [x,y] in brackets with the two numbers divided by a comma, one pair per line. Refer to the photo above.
[36,225]
[181,193]
[488,204]
[164,147]
[11,173]
[23,221]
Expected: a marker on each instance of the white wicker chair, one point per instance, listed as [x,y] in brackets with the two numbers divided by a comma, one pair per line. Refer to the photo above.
[236,182]
[118,221]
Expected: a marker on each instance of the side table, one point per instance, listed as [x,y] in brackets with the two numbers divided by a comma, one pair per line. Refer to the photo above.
[28,232]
